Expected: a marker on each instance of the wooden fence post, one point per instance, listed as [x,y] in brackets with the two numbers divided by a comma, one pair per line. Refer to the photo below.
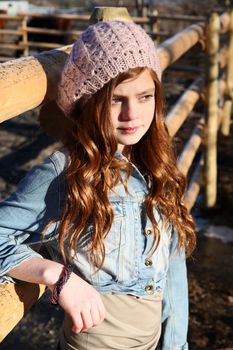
[25,36]
[145,14]
[212,46]
[139,7]
[155,25]
[228,102]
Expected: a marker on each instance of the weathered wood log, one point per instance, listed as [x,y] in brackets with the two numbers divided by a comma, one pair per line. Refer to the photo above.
[11,31]
[155,26]
[25,37]
[107,14]
[11,17]
[223,54]
[173,48]
[180,111]
[194,185]
[15,301]
[213,30]
[224,22]
[190,149]
[228,103]
[178,18]
[50,31]
[8,46]
[41,45]
[28,82]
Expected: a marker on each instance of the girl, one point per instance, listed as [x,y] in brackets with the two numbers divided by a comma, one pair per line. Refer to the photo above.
[109,204]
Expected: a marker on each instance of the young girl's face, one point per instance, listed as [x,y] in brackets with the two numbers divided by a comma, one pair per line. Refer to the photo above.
[132,109]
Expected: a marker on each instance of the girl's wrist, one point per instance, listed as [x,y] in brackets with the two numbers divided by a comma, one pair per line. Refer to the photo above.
[62,280]
[51,273]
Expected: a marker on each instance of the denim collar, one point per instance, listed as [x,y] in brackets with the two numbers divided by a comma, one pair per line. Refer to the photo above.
[136,171]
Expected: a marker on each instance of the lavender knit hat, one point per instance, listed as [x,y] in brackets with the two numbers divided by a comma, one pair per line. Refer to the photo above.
[103,51]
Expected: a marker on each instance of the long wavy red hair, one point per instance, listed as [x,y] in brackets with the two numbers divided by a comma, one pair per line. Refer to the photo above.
[93,171]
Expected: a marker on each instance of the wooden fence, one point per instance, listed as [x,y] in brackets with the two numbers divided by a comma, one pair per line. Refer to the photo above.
[38,76]
[17,40]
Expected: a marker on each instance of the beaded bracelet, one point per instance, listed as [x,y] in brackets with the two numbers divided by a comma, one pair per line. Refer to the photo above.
[65,275]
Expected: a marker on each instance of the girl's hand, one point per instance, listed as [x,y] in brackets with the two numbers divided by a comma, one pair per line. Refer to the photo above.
[78,298]
[82,303]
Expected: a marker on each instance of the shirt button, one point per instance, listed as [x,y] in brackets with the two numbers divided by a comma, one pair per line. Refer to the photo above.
[149,231]
[149,289]
[148,262]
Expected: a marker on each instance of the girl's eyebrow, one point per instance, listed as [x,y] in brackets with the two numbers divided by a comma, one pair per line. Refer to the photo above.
[144,92]
[147,91]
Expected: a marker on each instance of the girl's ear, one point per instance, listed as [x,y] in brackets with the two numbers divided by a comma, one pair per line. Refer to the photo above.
[54,122]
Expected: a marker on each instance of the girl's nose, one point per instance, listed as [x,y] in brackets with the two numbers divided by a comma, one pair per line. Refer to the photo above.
[129,111]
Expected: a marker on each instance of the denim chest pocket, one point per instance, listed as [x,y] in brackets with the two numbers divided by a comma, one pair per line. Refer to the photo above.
[115,238]
[115,242]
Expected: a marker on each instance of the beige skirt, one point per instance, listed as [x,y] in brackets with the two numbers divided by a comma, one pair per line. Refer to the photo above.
[130,323]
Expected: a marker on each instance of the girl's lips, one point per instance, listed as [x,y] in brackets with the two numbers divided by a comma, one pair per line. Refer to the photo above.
[129,130]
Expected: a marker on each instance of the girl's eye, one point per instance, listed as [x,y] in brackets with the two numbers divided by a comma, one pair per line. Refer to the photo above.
[116,100]
[147,97]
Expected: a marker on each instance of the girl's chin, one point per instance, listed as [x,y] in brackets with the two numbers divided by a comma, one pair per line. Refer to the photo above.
[121,144]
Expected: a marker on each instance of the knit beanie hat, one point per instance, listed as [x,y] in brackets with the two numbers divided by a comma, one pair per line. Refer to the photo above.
[104,50]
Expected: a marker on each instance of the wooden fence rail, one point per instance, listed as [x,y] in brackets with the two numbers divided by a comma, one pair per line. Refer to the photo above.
[24,45]
[151,21]
[38,76]
[47,67]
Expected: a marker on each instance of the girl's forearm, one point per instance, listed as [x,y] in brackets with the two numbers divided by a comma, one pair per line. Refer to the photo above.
[37,270]
[78,298]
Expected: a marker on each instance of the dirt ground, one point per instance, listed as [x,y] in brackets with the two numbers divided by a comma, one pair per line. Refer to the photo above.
[211,269]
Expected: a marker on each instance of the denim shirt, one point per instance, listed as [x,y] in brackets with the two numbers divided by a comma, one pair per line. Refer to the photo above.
[129,265]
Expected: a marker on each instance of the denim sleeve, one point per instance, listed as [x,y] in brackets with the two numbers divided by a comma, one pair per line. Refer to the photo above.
[24,215]
[175,303]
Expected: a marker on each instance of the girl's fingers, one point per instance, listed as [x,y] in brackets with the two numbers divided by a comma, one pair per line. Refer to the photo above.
[95,314]
[87,318]
[102,311]
[77,323]
[83,303]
